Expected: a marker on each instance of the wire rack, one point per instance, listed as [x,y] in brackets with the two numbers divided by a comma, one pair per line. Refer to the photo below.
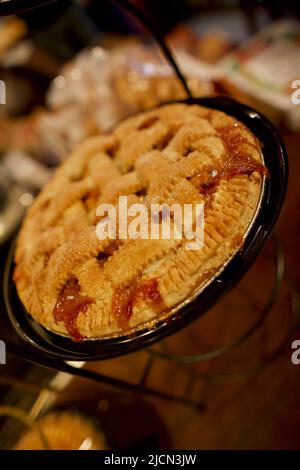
[189,363]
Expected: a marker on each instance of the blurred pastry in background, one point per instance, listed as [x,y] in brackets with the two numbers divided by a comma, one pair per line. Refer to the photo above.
[143,79]
[100,87]
[209,47]
[64,431]
[91,93]
[12,29]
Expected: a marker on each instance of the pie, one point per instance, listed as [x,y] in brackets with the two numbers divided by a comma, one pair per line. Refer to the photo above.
[78,285]
[63,430]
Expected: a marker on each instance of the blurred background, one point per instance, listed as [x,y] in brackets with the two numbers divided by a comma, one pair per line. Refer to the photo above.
[75,68]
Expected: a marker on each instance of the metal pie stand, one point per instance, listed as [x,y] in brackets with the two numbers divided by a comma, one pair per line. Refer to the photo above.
[30,341]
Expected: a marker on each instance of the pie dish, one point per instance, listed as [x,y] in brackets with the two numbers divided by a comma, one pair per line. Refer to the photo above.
[77,285]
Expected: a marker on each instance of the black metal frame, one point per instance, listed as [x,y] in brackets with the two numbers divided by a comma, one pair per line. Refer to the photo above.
[187,362]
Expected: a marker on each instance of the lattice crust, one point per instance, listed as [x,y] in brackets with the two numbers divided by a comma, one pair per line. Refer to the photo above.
[168,155]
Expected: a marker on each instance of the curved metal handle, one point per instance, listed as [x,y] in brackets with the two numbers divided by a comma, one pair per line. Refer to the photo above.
[13,7]
[153,28]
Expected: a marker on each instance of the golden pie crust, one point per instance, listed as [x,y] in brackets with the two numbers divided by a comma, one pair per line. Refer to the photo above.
[75,284]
